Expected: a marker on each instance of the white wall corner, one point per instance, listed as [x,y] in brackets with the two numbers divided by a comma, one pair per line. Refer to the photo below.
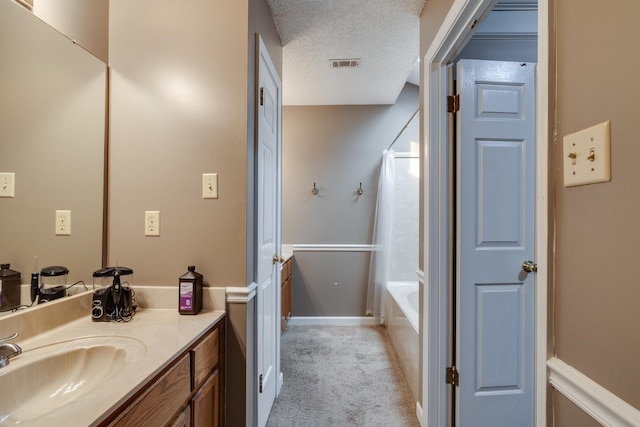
[602,405]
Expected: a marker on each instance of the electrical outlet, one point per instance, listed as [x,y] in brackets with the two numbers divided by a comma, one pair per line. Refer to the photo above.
[7,184]
[152,223]
[209,185]
[63,223]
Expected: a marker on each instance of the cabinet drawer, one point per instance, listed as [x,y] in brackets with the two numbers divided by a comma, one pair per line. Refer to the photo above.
[162,400]
[205,358]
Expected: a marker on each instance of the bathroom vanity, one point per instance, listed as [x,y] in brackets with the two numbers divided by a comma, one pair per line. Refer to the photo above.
[161,368]
[187,391]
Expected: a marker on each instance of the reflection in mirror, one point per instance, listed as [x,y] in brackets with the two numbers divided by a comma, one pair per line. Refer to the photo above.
[52,137]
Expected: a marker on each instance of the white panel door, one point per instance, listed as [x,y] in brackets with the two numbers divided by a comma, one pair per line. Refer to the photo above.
[495,234]
[267,230]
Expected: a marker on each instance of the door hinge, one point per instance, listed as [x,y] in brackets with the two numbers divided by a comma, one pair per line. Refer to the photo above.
[261,96]
[261,383]
[452,376]
[453,103]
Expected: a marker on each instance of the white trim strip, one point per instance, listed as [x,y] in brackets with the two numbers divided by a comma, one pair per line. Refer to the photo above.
[332,248]
[419,412]
[241,295]
[406,155]
[332,321]
[25,4]
[420,275]
[542,211]
[604,406]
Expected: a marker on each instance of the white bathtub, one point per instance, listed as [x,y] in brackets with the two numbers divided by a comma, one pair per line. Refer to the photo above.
[403,322]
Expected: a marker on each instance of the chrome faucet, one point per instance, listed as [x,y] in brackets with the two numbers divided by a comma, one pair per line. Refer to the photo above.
[8,350]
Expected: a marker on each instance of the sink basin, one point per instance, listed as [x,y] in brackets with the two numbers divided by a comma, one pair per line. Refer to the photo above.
[47,378]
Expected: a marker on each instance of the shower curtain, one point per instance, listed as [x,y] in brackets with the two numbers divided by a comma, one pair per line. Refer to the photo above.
[379,267]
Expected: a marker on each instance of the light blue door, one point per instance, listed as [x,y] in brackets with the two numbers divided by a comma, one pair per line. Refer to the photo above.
[495,234]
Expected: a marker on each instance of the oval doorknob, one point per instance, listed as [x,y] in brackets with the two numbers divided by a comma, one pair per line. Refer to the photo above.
[529,266]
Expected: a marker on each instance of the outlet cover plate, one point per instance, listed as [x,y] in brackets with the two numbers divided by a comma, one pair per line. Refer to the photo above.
[587,156]
[152,223]
[63,223]
[7,184]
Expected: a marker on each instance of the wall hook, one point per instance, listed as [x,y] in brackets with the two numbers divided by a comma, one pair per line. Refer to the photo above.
[360,191]
[315,190]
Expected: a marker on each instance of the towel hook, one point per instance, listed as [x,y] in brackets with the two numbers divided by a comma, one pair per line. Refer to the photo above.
[315,190]
[360,191]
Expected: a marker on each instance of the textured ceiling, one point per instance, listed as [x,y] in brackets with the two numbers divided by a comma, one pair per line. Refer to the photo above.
[382,34]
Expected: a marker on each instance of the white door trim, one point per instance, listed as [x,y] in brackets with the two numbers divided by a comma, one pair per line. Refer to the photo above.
[448,42]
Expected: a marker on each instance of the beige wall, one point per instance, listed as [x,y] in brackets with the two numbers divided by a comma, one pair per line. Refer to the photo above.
[260,22]
[182,104]
[567,414]
[84,21]
[598,237]
[52,112]
[431,19]
[178,109]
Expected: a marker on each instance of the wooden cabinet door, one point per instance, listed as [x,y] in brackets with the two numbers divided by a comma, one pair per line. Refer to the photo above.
[205,406]
[283,306]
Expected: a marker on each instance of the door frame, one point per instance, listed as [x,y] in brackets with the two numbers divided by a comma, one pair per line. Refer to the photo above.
[453,34]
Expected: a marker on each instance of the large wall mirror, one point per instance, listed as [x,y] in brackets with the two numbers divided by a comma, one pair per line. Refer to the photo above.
[53,115]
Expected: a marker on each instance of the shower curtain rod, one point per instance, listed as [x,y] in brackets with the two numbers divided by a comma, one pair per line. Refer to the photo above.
[403,129]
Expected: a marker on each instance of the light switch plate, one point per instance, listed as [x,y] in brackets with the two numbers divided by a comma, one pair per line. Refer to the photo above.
[587,156]
[209,185]
[7,184]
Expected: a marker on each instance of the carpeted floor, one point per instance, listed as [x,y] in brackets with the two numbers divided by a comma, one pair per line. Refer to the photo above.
[341,376]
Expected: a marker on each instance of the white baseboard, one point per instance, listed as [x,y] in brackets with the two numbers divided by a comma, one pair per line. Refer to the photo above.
[602,405]
[332,321]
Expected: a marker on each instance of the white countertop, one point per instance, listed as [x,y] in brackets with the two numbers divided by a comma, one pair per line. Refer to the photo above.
[163,333]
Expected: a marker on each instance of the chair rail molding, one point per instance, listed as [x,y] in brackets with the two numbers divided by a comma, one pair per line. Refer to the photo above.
[602,405]
[241,295]
[335,247]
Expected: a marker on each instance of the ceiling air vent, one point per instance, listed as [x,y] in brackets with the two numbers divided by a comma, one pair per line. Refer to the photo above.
[344,63]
